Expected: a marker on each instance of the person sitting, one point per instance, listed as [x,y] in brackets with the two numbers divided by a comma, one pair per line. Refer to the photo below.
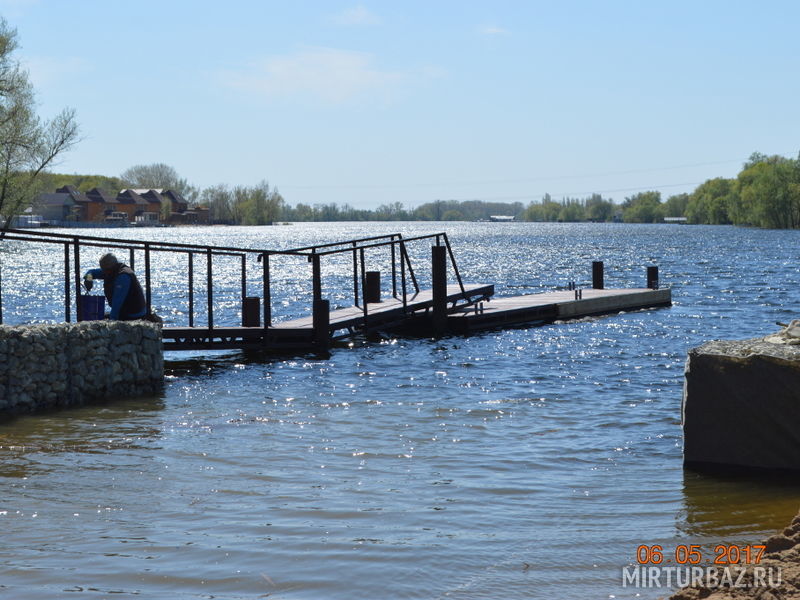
[121,288]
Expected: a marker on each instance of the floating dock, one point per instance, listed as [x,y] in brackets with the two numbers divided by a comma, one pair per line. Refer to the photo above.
[399,305]
[553,306]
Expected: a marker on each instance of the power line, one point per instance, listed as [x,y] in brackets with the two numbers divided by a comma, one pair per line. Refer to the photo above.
[503,181]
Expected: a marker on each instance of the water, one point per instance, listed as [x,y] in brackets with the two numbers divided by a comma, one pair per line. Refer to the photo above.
[527,463]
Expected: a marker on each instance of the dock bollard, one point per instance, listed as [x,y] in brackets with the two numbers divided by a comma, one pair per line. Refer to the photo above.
[652,278]
[597,274]
[321,319]
[439,285]
[251,311]
[372,287]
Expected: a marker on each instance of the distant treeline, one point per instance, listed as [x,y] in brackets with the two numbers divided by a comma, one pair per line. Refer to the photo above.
[765,193]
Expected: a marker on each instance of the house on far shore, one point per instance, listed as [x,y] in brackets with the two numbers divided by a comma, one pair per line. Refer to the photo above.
[180,214]
[67,206]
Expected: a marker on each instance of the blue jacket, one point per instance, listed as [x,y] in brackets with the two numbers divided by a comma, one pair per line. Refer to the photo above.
[121,287]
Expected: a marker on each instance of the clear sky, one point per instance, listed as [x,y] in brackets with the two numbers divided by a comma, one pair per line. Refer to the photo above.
[408,101]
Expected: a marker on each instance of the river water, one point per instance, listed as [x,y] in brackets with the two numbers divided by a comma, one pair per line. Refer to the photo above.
[526,463]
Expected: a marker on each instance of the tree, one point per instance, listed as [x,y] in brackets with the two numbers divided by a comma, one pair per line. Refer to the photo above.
[219,200]
[712,202]
[768,194]
[675,206]
[158,176]
[598,209]
[644,207]
[29,146]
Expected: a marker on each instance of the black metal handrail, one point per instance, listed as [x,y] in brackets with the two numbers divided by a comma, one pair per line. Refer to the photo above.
[358,247]
[75,243]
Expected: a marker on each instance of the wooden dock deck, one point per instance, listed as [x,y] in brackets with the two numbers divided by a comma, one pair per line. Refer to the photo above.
[298,333]
[551,306]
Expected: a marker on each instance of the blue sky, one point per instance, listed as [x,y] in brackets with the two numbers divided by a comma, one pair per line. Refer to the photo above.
[378,102]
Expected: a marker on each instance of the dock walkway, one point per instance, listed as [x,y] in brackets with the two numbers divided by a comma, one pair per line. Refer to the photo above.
[552,306]
[298,333]
[398,305]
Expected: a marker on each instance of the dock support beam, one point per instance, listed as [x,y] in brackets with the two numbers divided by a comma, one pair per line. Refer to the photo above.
[372,291]
[321,322]
[652,278]
[597,275]
[439,285]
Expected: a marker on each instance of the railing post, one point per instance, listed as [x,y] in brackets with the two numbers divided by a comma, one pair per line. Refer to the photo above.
[439,291]
[597,275]
[363,285]
[316,276]
[394,270]
[355,275]
[410,268]
[67,299]
[131,259]
[77,252]
[191,288]
[455,266]
[209,290]
[147,289]
[267,297]
[403,281]
[244,276]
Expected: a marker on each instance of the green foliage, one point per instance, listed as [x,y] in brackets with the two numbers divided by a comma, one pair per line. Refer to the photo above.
[52,181]
[570,210]
[769,194]
[644,207]
[470,210]
[675,206]
[711,202]
[28,145]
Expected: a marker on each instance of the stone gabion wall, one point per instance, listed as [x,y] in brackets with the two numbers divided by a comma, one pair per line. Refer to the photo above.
[46,366]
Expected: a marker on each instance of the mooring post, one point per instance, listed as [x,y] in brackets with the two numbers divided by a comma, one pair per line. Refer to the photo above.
[321,318]
[251,311]
[372,291]
[439,285]
[597,275]
[652,278]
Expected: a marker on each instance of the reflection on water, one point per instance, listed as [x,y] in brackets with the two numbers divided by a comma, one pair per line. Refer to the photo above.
[733,507]
[527,463]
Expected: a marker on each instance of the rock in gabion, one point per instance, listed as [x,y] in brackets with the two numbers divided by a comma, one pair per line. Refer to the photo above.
[45,366]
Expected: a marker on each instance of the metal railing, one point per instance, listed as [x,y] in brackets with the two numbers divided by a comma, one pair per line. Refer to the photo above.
[401,267]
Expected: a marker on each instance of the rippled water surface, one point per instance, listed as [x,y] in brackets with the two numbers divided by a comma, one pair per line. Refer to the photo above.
[527,463]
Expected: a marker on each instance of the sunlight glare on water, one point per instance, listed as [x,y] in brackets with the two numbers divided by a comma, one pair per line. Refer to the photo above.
[525,463]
